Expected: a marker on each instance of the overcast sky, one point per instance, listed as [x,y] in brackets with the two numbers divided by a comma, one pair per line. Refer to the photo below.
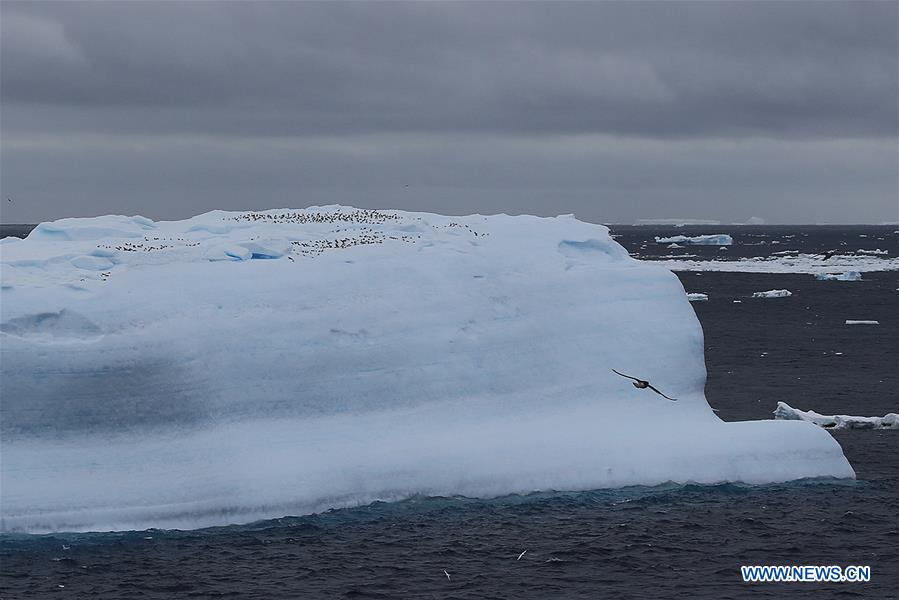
[612,111]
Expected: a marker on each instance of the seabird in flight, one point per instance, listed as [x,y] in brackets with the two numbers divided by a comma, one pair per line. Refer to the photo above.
[643,384]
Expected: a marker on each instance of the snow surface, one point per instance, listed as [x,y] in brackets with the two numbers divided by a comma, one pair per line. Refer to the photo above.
[847,276]
[773,294]
[718,239]
[786,412]
[801,263]
[697,297]
[238,366]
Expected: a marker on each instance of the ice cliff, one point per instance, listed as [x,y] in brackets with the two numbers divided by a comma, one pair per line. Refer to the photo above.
[237,366]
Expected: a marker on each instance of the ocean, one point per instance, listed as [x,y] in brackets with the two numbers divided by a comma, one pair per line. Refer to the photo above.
[658,542]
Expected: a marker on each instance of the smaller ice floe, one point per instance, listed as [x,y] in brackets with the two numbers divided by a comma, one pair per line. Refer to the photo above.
[847,276]
[877,252]
[772,294]
[697,297]
[675,246]
[718,239]
[853,322]
[786,412]
[785,253]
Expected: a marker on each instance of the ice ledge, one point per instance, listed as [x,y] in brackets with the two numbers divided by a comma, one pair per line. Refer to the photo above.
[271,469]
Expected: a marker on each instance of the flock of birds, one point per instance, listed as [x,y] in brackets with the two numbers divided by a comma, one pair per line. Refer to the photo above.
[354,235]
[358,216]
[145,246]
[361,238]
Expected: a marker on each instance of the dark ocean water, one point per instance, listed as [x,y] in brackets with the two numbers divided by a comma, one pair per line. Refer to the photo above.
[662,542]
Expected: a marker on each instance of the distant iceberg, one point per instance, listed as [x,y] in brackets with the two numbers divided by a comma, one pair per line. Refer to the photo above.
[862,322]
[786,412]
[678,222]
[847,276]
[718,239]
[697,297]
[773,294]
[245,365]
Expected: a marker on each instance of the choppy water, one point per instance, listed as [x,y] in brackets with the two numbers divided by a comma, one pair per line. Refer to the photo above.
[638,542]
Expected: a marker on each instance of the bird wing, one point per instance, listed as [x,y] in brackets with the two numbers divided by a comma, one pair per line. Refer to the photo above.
[628,376]
[661,394]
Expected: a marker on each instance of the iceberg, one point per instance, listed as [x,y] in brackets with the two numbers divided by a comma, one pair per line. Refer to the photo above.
[238,366]
[847,276]
[678,222]
[773,294]
[718,239]
[697,297]
[852,322]
[786,412]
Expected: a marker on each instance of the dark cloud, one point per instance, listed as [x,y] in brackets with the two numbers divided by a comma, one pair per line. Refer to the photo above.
[309,68]
[360,91]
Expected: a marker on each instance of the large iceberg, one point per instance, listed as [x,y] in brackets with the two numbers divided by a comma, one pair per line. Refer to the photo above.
[238,366]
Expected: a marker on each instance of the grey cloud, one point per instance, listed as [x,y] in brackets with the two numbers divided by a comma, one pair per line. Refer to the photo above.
[599,178]
[655,70]
[611,110]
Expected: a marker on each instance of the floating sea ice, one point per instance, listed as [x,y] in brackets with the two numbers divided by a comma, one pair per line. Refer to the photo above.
[852,322]
[773,294]
[697,297]
[847,276]
[718,239]
[786,412]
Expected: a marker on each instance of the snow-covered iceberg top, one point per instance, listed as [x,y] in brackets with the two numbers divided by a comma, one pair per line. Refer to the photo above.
[718,239]
[244,365]
[773,294]
[786,412]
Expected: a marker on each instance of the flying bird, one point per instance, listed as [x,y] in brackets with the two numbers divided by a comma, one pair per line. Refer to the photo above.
[642,384]
[522,554]
[447,575]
